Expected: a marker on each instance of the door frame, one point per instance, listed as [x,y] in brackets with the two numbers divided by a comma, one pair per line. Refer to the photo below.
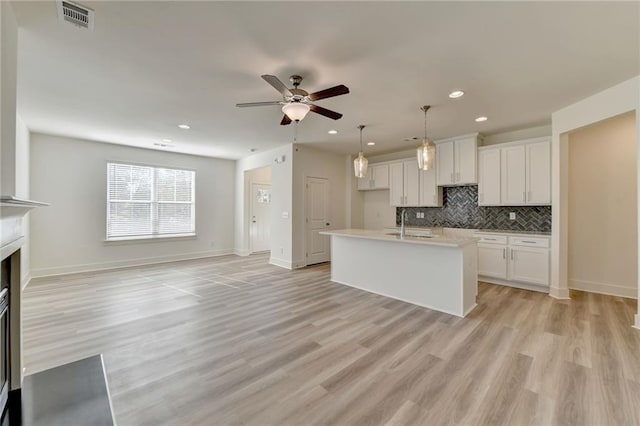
[305,196]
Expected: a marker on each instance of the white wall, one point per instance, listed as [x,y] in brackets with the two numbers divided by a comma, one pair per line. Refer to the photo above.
[311,162]
[68,236]
[281,203]
[8,75]
[515,135]
[378,213]
[22,151]
[602,209]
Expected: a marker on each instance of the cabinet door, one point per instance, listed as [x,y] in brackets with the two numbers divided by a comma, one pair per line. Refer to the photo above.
[529,265]
[538,172]
[396,184]
[411,183]
[365,182]
[430,193]
[380,176]
[492,260]
[513,176]
[444,163]
[466,160]
[489,177]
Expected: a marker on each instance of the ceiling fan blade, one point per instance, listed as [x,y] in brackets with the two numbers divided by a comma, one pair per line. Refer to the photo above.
[277,84]
[326,112]
[285,120]
[255,104]
[329,93]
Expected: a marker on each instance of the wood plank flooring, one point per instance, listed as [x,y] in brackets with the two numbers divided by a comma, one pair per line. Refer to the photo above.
[236,341]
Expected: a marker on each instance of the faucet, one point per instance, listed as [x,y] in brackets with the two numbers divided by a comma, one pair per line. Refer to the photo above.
[403,215]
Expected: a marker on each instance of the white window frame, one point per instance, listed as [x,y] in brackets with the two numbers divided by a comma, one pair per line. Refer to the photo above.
[154,205]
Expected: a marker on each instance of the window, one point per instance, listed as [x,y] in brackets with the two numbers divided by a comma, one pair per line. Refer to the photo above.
[144,202]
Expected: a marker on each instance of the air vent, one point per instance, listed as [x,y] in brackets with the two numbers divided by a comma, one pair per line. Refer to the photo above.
[75,14]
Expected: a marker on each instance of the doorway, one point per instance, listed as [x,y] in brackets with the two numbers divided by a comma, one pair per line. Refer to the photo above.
[317,220]
[259,212]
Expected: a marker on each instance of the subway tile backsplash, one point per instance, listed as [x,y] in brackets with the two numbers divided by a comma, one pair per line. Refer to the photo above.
[460,210]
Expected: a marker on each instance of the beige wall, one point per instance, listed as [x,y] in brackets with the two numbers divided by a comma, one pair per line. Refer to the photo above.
[602,218]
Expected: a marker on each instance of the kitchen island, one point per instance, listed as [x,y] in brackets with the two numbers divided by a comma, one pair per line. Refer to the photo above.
[437,272]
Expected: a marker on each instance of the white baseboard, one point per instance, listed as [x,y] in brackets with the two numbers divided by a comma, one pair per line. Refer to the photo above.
[559,293]
[243,253]
[24,282]
[524,286]
[602,288]
[637,322]
[281,263]
[102,266]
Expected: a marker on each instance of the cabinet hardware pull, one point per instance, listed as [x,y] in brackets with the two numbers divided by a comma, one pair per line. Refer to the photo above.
[511,250]
[528,242]
[504,253]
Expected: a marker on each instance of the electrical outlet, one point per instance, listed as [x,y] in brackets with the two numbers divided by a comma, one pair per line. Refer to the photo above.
[417,215]
[512,216]
[421,215]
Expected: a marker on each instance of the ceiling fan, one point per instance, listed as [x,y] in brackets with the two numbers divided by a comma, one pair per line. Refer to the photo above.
[296,103]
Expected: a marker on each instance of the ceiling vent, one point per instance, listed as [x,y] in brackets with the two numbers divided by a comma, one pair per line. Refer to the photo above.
[76,14]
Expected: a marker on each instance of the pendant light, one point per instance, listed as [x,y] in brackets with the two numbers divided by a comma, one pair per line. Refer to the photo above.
[360,163]
[427,151]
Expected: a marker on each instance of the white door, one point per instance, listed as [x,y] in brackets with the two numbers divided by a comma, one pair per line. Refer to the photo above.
[429,192]
[396,185]
[466,156]
[513,176]
[529,265]
[492,260]
[260,224]
[411,183]
[444,163]
[489,177]
[538,173]
[317,220]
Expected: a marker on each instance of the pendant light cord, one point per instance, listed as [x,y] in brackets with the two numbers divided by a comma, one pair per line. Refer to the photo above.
[361,127]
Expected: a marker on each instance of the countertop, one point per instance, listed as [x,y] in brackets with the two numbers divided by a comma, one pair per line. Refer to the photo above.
[440,231]
[497,231]
[436,240]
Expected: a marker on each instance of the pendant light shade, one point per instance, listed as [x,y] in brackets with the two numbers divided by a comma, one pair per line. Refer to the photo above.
[426,153]
[360,164]
[296,111]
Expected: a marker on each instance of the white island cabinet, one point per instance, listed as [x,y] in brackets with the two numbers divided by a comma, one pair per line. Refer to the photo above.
[436,272]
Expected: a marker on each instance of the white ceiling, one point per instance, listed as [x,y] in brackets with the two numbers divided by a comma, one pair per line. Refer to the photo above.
[151,65]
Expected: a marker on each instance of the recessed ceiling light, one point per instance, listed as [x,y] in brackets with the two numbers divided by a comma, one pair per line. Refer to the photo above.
[184,126]
[456,94]
[166,140]
[333,132]
[253,149]
[371,143]
[481,119]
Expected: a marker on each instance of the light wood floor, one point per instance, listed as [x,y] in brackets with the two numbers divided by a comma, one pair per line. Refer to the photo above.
[234,340]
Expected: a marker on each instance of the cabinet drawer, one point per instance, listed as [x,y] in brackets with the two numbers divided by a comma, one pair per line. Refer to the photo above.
[491,239]
[529,242]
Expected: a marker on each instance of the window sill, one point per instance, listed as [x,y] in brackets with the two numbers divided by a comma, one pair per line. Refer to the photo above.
[150,238]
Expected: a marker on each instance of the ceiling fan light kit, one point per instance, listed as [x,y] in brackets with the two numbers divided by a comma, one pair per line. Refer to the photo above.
[426,153]
[296,103]
[360,163]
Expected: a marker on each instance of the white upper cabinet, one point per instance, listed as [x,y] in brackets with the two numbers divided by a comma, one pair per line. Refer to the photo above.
[513,175]
[522,176]
[412,187]
[538,173]
[430,192]
[396,184]
[377,178]
[411,183]
[456,161]
[489,177]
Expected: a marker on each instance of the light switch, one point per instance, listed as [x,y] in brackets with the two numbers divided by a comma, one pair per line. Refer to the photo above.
[512,216]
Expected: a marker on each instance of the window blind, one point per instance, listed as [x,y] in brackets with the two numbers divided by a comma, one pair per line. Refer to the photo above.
[145,201]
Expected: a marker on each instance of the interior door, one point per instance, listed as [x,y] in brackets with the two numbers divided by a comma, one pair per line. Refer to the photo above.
[260,225]
[317,220]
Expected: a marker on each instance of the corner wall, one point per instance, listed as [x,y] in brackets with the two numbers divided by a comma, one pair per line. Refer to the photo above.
[8,84]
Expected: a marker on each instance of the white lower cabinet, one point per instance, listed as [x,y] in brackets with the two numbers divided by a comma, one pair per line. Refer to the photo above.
[514,260]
